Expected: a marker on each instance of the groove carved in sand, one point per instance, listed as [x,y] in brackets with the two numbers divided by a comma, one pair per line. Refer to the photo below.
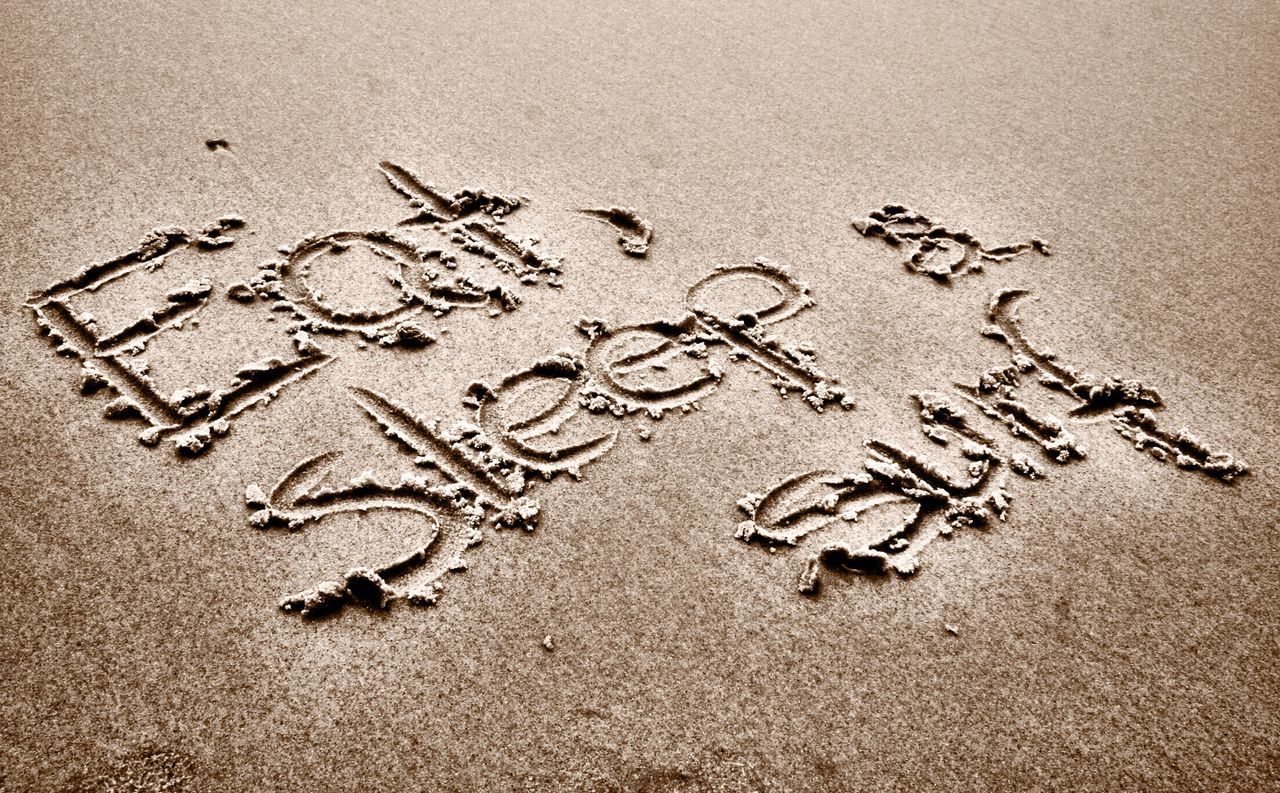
[934,249]
[810,503]
[192,417]
[630,365]
[635,234]
[300,498]
[472,220]
[933,502]
[425,284]
[545,420]
[461,485]
[535,424]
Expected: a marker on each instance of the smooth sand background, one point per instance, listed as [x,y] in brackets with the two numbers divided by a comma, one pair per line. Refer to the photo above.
[1119,632]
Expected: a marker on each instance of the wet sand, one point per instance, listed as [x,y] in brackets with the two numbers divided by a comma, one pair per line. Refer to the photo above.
[481,245]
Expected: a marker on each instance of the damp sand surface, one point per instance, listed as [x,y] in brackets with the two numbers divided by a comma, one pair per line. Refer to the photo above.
[724,398]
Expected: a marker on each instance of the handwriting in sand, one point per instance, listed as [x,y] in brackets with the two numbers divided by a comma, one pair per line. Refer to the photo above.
[466,477]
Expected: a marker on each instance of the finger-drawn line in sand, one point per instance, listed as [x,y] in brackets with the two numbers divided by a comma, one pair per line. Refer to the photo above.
[637,367]
[109,360]
[421,283]
[460,455]
[424,281]
[474,487]
[471,219]
[935,250]
[824,502]
[301,498]
[435,206]
[635,234]
[545,420]
[516,436]
[535,424]
[1131,403]
[793,366]
[624,361]
[811,502]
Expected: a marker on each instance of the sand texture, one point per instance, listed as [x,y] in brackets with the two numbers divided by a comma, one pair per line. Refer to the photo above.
[681,397]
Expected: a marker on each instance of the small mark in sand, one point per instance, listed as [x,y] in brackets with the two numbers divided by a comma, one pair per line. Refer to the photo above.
[635,233]
[213,144]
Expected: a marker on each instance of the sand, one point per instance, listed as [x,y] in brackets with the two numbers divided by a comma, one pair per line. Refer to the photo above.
[688,397]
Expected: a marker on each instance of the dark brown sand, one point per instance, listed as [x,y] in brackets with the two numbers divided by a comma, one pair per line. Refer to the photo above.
[1118,631]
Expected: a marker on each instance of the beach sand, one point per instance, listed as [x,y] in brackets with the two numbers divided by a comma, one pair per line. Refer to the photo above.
[1117,630]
